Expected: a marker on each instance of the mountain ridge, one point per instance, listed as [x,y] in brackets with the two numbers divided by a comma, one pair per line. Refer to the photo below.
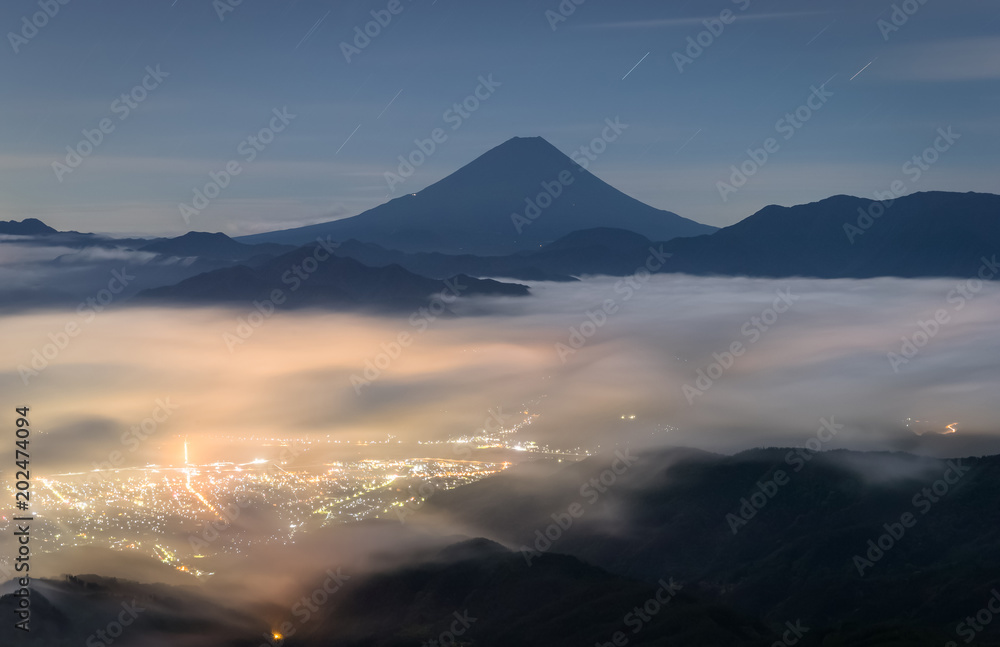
[216,245]
[514,197]
[924,234]
[332,281]
[26,227]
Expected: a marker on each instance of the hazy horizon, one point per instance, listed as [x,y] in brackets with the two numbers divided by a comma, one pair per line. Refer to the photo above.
[690,117]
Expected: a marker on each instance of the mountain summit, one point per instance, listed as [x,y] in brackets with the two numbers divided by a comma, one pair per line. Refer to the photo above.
[517,196]
[26,227]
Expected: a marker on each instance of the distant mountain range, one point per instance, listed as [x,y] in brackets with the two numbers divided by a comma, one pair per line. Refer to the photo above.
[473,224]
[522,194]
[615,252]
[213,247]
[312,276]
[919,235]
[935,234]
[26,227]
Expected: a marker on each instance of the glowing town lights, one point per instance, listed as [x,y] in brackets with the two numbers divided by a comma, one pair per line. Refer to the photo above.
[145,499]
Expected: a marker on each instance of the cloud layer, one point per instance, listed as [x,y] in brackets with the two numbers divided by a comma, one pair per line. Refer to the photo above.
[664,354]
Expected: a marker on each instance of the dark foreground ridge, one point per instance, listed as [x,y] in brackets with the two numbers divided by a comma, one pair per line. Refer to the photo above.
[772,546]
[313,276]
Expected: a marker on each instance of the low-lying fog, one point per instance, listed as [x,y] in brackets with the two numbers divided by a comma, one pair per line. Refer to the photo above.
[721,364]
[717,363]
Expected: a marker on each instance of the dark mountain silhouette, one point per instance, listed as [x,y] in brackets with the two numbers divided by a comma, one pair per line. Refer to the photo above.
[611,238]
[70,612]
[26,227]
[665,518]
[310,276]
[615,252]
[480,592]
[470,211]
[40,234]
[213,246]
[919,235]
[437,265]
[556,600]
[932,234]
[794,556]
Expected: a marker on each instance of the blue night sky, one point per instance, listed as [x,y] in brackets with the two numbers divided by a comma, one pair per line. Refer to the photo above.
[939,69]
